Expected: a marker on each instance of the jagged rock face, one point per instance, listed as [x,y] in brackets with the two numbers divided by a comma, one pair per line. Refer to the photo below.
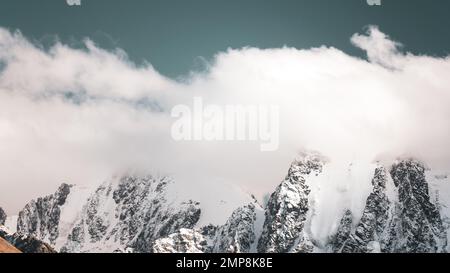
[40,218]
[287,209]
[374,218]
[130,214]
[184,241]
[411,224]
[138,214]
[238,233]
[343,232]
[161,222]
[29,244]
[418,222]
[26,244]
[2,217]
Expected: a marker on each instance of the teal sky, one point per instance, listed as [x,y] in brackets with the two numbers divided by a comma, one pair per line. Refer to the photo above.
[172,34]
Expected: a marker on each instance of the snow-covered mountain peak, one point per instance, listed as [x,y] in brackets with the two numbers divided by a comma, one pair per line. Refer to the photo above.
[126,213]
[320,206]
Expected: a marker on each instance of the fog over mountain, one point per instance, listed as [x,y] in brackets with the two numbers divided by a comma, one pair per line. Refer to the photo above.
[81,115]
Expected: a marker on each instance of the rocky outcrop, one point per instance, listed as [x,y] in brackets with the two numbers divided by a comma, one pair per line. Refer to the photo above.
[40,218]
[138,214]
[26,243]
[184,241]
[2,216]
[130,213]
[374,218]
[287,209]
[343,233]
[417,225]
[410,223]
[163,222]
[238,233]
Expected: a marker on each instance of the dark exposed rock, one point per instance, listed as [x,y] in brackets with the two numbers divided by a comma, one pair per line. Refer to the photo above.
[183,241]
[165,222]
[26,244]
[410,223]
[40,218]
[238,233]
[374,218]
[135,214]
[417,222]
[131,213]
[2,216]
[287,209]
[343,232]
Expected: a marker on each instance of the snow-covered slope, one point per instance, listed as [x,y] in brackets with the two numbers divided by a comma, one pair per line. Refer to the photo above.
[238,235]
[11,223]
[288,209]
[320,206]
[439,182]
[130,213]
[407,222]
[126,213]
[41,218]
[323,206]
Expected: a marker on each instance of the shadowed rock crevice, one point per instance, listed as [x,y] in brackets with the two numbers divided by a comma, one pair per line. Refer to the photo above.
[409,224]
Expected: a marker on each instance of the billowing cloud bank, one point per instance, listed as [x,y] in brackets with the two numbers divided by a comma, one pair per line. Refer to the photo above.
[78,115]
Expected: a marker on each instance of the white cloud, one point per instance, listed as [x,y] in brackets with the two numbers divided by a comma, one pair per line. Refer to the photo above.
[78,115]
[379,47]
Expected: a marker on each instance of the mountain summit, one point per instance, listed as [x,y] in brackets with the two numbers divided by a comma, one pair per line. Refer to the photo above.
[402,212]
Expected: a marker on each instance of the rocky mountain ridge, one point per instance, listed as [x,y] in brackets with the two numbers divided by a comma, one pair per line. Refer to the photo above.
[401,221]
[139,214]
